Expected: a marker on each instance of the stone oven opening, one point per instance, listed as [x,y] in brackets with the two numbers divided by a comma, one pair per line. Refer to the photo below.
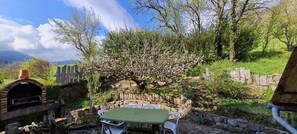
[23,95]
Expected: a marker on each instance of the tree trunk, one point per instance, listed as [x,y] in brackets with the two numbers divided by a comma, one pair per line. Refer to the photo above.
[232,42]
[141,84]
[219,45]
[233,33]
[289,47]
[91,105]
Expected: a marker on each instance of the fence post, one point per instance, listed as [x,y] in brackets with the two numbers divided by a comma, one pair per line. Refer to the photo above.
[63,75]
[68,75]
[58,75]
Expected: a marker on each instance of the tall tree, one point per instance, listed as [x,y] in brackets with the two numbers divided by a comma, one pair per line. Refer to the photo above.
[142,56]
[267,30]
[285,28]
[177,16]
[193,10]
[241,9]
[219,7]
[167,13]
[81,31]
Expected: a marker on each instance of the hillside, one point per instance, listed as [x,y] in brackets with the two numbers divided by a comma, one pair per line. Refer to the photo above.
[7,57]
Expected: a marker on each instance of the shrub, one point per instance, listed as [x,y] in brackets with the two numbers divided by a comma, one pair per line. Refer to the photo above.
[248,38]
[1,78]
[105,97]
[11,71]
[38,68]
[202,97]
[222,83]
[72,92]
[141,56]
[52,91]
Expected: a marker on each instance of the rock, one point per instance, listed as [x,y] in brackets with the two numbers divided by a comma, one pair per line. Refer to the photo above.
[232,122]
[59,120]
[260,133]
[242,125]
[218,131]
[254,127]
[26,128]
[33,124]
[238,129]
[218,119]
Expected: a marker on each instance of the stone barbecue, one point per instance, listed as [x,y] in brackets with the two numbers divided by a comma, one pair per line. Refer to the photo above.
[22,93]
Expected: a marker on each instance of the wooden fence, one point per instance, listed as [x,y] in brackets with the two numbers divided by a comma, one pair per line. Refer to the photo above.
[67,74]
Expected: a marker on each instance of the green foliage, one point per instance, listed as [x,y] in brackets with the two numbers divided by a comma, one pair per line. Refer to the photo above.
[169,91]
[38,68]
[195,71]
[89,119]
[52,91]
[201,44]
[11,71]
[274,62]
[1,78]
[222,83]
[248,39]
[93,83]
[80,31]
[73,92]
[107,96]
[285,28]
[78,103]
[202,97]
[130,41]
[144,57]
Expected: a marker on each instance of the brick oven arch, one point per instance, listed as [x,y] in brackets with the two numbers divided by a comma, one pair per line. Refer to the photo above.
[7,88]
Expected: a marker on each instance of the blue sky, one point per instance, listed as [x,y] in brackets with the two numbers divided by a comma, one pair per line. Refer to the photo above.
[25,25]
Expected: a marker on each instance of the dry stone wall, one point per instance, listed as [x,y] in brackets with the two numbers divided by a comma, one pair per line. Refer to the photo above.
[173,104]
[232,124]
[245,76]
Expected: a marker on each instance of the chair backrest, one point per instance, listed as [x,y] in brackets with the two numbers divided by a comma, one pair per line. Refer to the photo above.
[108,126]
[151,106]
[132,105]
[101,112]
[174,117]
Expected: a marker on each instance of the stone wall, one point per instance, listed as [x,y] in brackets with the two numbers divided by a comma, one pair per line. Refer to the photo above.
[247,77]
[233,125]
[174,104]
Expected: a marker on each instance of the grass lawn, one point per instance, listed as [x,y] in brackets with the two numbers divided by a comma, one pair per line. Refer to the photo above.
[254,110]
[273,62]
[6,81]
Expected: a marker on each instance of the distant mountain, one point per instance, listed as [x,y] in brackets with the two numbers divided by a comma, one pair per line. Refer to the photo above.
[8,57]
[66,62]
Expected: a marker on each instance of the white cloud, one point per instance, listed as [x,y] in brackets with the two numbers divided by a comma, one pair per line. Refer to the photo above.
[38,42]
[112,15]
[47,36]
[16,36]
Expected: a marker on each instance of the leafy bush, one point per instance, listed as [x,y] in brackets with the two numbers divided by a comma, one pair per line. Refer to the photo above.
[247,40]
[38,68]
[105,97]
[202,97]
[141,56]
[222,83]
[11,71]
[52,91]
[1,78]
[195,71]
[72,92]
